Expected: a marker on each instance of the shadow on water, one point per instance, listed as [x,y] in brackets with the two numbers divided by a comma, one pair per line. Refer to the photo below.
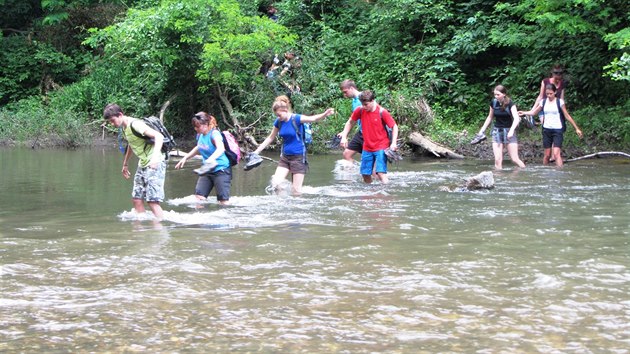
[538,264]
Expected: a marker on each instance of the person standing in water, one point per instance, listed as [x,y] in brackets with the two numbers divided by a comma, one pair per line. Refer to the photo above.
[210,146]
[374,119]
[349,89]
[148,181]
[554,115]
[293,151]
[503,112]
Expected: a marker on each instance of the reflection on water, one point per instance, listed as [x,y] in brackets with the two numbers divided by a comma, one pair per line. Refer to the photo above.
[539,264]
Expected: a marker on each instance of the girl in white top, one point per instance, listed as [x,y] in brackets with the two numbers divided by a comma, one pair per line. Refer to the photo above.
[554,114]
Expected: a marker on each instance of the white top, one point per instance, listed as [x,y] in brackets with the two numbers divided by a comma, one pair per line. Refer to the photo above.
[551,114]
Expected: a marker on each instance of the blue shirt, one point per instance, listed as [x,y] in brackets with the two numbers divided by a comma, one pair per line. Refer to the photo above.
[356,103]
[206,149]
[291,144]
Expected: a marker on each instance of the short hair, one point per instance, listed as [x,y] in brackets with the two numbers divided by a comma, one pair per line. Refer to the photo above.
[367,96]
[112,110]
[347,84]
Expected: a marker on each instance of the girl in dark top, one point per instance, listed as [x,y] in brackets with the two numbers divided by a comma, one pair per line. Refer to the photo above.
[506,120]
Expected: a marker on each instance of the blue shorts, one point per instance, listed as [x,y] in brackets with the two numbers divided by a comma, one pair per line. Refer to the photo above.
[220,180]
[368,159]
[553,137]
[148,183]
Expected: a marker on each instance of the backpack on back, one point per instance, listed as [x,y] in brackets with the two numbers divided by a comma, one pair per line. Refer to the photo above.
[232,150]
[304,133]
[156,124]
[562,119]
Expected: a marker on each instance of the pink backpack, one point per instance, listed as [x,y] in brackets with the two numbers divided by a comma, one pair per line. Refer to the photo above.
[232,146]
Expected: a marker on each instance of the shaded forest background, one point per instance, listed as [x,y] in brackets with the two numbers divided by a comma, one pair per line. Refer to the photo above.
[432,63]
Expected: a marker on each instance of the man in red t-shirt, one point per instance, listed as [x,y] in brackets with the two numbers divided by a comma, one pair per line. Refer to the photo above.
[373,118]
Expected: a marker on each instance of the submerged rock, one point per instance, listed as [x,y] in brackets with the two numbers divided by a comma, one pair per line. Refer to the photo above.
[484,180]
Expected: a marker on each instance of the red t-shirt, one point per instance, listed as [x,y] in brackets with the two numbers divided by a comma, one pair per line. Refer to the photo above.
[374,134]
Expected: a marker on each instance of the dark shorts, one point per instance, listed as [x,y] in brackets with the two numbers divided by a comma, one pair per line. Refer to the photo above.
[499,136]
[294,163]
[221,181]
[356,144]
[553,137]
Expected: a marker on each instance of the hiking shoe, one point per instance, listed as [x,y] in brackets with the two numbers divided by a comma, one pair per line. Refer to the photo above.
[392,155]
[477,139]
[334,142]
[253,160]
[206,167]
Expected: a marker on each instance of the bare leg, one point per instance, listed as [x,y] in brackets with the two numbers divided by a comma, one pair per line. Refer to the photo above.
[157,210]
[546,156]
[557,156]
[298,180]
[513,152]
[138,205]
[497,149]
[347,155]
[382,177]
[367,179]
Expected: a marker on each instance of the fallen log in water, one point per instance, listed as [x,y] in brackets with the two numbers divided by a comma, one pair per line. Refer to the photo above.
[437,150]
[598,155]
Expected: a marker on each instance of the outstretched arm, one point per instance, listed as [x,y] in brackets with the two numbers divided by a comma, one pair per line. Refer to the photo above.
[344,134]
[192,153]
[315,118]
[267,141]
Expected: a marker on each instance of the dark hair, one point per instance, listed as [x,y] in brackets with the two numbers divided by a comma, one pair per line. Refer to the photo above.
[367,96]
[347,84]
[111,110]
[203,118]
[558,68]
[551,87]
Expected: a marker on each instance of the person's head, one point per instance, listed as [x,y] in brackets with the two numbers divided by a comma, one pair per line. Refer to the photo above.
[281,108]
[113,114]
[367,100]
[550,91]
[203,122]
[501,94]
[349,88]
[557,71]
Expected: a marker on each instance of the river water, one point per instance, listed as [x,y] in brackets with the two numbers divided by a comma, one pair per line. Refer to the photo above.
[541,263]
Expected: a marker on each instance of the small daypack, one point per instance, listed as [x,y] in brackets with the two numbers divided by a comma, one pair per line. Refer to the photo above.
[562,118]
[156,124]
[232,150]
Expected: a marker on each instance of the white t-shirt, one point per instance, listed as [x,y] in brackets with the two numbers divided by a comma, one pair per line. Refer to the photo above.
[551,114]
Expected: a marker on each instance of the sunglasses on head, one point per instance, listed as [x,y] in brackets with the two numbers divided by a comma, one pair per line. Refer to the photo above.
[558,72]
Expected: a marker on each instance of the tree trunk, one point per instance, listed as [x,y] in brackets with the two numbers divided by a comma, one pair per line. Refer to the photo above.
[599,154]
[437,150]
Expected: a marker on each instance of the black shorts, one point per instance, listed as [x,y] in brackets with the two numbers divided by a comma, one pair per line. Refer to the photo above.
[294,163]
[221,181]
[356,144]
[553,137]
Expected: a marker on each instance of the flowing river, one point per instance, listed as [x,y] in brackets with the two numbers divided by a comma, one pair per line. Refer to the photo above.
[541,263]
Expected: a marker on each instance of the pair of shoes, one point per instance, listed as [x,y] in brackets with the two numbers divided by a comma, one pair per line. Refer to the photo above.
[334,142]
[477,139]
[206,167]
[528,121]
[392,156]
[253,160]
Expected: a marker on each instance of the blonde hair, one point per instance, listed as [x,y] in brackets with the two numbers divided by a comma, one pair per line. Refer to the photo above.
[281,102]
